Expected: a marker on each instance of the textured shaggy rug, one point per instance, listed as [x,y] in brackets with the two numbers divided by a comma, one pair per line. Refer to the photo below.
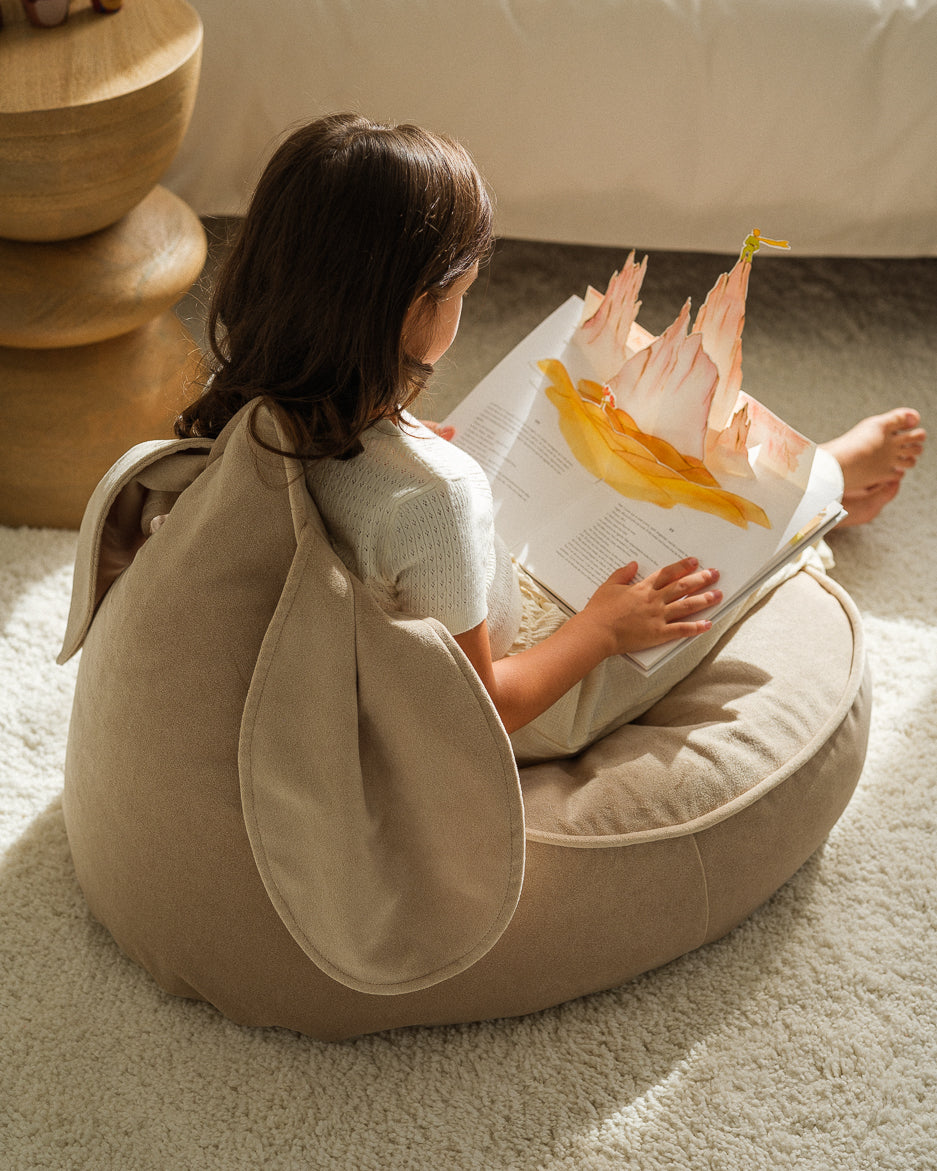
[805,1039]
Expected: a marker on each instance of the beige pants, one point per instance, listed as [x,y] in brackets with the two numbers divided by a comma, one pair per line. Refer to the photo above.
[616,692]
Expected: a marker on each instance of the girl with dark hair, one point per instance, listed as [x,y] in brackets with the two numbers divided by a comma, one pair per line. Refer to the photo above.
[344,288]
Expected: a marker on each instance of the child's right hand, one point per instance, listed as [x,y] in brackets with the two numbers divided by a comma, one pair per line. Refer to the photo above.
[621,616]
[635,615]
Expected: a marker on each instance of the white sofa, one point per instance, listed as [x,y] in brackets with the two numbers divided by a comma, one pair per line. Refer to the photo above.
[663,124]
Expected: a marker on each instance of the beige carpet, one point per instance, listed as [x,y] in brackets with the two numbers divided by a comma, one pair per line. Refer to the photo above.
[806,1039]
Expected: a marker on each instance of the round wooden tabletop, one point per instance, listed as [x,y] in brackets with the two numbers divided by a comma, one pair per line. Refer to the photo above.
[92,57]
[92,112]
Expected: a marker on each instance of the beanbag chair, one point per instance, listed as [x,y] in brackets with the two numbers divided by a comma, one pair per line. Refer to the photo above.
[286,802]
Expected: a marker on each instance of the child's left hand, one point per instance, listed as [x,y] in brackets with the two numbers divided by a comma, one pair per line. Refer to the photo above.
[443,430]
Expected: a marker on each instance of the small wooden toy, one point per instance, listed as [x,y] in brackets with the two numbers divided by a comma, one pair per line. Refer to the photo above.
[49,13]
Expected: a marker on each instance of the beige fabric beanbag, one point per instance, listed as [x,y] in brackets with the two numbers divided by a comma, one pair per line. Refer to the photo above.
[285,802]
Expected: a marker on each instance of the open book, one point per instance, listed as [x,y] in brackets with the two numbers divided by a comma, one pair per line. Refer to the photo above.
[604,444]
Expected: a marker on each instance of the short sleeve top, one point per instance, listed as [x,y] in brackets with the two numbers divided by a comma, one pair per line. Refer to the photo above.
[412,518]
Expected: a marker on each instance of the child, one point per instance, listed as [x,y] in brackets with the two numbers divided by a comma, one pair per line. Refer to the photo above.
[343,289]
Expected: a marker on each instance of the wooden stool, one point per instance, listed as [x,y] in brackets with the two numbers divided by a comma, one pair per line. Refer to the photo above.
[93,255]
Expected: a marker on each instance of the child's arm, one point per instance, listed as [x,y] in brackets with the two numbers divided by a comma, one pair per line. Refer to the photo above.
[619,617]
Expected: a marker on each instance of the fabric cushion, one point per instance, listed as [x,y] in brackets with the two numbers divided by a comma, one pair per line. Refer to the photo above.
[285,802]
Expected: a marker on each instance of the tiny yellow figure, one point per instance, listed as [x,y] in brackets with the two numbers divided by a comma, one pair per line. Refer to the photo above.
[755,241]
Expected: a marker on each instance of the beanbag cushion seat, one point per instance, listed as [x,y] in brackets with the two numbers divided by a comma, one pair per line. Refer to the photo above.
[305,811]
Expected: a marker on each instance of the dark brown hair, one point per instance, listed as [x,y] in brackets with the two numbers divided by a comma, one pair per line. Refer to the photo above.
[351,223]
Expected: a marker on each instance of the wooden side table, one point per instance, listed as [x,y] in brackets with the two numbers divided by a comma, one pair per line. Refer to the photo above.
[93,253]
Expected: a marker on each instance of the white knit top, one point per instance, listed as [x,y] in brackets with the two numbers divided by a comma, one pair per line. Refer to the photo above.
[412,518]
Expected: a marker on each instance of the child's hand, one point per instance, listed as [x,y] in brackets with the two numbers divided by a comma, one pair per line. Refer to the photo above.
[637,615]
[619,617]
[443,430]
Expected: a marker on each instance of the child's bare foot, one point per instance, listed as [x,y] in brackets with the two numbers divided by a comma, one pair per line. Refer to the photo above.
[874,455]
[867,503]
[878,450]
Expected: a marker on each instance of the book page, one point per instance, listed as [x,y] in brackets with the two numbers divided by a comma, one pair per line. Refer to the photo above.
[599,531]
[580,490]
[510,427]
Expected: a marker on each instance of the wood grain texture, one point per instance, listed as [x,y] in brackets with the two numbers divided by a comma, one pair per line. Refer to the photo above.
[91,113]
[86,290]
[69,413]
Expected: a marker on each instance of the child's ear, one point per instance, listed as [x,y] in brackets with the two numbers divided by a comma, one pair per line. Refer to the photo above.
[417,327]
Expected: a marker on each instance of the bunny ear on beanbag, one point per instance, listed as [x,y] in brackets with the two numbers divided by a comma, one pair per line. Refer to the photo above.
[379,788]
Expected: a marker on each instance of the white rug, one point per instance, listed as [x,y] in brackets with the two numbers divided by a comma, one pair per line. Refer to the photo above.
[806,1039]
